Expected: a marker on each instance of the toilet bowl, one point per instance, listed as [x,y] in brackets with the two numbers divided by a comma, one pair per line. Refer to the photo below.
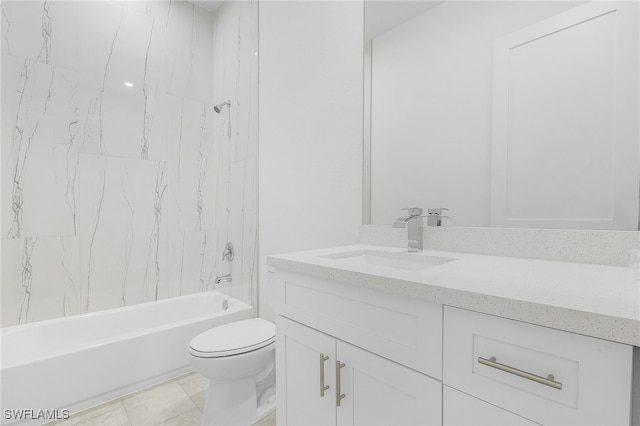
[238,359]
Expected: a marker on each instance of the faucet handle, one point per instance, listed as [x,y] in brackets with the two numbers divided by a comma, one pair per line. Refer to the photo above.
[437,211]
[228,252]
[434,217]
[413,211]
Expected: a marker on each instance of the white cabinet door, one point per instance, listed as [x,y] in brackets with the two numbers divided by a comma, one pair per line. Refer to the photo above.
[376,391]
[460,409]
[380,392]
[298,357]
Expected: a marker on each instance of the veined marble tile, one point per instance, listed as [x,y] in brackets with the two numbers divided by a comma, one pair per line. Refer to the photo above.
[223,155]
[250,233]
[188,55]
[191,165]
[123,231]
[118,45]
[152,144]
[40,279]
[39,149]
[42,31]
[119,167]
[235,136]
[158,123]
[242,227]
[236,142]
[159,10]
[192,256]
[139,6]
[234,219]
[178,46]
[236,48]
[200,81]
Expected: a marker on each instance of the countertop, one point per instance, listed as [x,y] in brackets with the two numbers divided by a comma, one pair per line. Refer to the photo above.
[593,300]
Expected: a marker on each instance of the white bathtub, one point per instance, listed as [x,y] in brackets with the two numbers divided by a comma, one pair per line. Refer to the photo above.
[77,362]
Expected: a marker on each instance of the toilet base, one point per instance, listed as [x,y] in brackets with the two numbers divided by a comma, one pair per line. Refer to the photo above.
[265,409]
[230,403]
[266,397]
[235,403]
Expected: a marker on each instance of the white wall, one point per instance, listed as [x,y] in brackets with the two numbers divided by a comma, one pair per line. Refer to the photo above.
[432,106]
[310,113]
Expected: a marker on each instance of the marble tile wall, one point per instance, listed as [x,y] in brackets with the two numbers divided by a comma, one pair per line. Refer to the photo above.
[116,195]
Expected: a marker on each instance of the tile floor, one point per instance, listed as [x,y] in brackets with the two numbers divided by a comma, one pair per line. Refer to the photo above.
[177,402]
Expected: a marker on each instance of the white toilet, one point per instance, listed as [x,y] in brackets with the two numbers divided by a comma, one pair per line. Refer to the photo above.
[238,359]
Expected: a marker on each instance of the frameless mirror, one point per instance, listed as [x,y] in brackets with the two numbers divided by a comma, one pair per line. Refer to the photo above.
[511,114]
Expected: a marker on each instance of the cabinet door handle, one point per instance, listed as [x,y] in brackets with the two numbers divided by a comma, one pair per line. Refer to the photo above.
[339,395]
[549,380]
[323,388]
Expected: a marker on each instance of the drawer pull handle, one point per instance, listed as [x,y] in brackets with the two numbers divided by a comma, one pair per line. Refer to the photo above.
[549,380]
[323,388]
[339,395]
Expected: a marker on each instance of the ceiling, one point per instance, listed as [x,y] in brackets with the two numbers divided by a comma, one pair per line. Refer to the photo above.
[381,16]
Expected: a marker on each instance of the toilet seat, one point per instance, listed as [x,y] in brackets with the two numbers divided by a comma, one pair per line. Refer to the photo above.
[233,339]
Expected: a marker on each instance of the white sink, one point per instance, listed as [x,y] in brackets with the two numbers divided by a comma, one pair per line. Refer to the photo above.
[395,260]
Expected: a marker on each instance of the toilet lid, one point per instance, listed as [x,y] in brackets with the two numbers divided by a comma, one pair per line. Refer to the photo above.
[234,338]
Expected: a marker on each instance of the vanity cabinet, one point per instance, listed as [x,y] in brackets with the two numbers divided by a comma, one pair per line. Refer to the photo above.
[325,381]
[402,360]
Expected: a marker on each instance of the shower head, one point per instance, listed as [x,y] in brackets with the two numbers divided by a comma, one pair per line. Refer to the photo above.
[219,107]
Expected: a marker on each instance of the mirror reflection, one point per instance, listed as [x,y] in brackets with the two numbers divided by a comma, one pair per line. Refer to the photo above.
[510,114]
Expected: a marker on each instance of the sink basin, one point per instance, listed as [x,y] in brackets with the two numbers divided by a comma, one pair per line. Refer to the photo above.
[394,260]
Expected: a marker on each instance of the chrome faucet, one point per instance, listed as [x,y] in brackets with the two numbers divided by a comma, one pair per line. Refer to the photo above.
[415,226]
[434,216]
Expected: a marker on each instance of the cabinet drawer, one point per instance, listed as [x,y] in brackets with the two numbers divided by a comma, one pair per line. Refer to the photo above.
[546,375]
[402,329]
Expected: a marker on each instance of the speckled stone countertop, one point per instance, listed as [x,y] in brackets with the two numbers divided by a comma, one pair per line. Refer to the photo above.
[594,300]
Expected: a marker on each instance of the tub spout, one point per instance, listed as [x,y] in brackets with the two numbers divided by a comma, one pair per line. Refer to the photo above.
[223,279]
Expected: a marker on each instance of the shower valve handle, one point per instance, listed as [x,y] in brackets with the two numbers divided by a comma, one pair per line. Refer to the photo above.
[228,252]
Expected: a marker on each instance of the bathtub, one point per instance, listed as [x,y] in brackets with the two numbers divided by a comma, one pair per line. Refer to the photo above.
[77,362]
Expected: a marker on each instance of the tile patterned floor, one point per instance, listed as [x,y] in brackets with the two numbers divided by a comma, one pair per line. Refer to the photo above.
[178,402]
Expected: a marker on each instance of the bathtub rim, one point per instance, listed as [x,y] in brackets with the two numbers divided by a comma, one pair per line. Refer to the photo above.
[238,305]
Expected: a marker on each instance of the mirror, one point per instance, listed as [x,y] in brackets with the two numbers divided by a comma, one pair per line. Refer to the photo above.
[528,134]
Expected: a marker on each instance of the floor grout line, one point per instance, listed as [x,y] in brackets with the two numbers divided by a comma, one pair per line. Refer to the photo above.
[118,403]
[126,412]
